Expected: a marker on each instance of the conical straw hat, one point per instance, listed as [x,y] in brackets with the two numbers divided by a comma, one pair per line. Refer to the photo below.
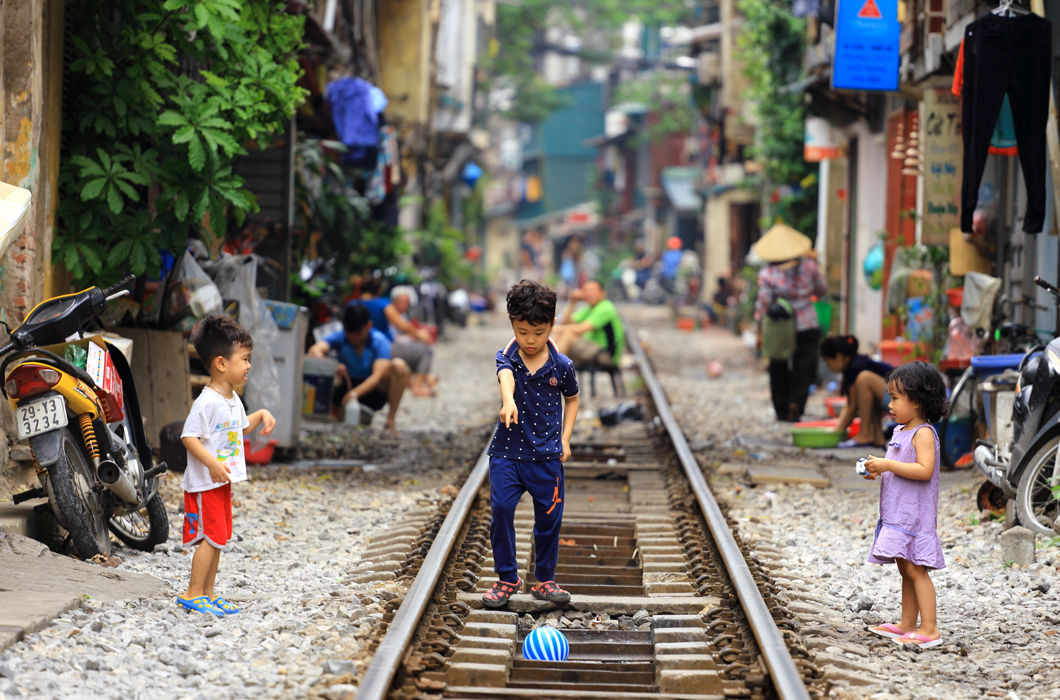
[780,243]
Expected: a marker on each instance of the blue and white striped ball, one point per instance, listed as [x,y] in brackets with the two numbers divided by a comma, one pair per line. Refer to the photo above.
[546,644]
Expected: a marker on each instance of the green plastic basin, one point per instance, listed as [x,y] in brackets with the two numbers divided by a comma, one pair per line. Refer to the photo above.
[816,437]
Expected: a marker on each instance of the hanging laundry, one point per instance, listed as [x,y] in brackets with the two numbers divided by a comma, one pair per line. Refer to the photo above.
[1003,139]
[1006,56]
[355,108]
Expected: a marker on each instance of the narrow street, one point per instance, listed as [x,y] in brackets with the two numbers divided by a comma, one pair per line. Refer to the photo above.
[313,598]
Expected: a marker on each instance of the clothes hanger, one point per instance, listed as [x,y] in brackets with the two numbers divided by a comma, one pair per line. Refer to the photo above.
[1005,9]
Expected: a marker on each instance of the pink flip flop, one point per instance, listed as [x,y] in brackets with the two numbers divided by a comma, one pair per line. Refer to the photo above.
[888,630]
[922,641]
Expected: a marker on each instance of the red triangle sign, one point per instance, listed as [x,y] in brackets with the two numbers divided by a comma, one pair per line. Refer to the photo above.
[870,11]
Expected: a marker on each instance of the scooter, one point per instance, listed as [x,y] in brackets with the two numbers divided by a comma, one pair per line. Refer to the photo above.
[1028,469]
[83,425]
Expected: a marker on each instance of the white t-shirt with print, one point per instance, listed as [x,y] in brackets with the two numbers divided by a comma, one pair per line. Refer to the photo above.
[219,423]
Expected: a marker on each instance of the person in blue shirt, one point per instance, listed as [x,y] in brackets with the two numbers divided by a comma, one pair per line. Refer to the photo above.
[367,372]
[539,402]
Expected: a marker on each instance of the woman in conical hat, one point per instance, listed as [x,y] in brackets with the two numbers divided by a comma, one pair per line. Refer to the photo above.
[782,243]
[791,274]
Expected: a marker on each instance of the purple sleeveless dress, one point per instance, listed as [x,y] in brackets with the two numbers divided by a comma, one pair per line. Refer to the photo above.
[908,509]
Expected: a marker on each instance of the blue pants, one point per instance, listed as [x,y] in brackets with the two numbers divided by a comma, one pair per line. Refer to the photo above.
[509,478]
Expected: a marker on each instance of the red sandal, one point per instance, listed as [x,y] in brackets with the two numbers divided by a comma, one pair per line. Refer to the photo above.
[499,593]
[548,590]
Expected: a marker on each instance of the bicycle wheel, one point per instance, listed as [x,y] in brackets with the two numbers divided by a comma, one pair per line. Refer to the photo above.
[957,427]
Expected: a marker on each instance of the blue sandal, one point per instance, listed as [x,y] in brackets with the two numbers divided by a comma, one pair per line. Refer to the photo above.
[201,604]
[226,607]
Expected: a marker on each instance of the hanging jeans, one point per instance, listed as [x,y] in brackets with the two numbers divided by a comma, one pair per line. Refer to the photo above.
[790,380]
[1006,55]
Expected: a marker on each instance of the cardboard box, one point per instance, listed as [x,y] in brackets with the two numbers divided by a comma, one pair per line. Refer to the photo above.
[103,372]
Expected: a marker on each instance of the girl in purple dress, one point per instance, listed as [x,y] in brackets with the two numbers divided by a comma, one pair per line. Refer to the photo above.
[906,532]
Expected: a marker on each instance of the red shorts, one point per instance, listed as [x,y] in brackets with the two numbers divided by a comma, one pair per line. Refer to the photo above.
[208,516]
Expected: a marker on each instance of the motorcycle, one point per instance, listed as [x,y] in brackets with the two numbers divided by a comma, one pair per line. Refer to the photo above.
[1028,468]
[83,425]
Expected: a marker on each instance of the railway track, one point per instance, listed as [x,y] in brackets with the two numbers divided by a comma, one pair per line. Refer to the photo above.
[665,601]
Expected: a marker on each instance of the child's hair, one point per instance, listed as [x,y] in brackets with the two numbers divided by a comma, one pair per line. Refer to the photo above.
[355,317]
[835,345]
[531,302]
[923,385]
[216,336]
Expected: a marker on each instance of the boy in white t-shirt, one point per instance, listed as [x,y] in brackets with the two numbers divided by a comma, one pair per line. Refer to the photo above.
[213,436]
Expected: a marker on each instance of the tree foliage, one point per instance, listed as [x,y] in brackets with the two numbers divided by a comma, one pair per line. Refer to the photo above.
[337,219]
[160,99]
[772,45]
[521,29]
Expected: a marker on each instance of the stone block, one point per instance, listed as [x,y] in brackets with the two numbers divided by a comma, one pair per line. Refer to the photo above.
[482,655]
[690,682]
[1017,545]
[500,617]
[680,634]
[470,642]
[490,629]
[672,621]
[655,588]
[669,662]
[477,675]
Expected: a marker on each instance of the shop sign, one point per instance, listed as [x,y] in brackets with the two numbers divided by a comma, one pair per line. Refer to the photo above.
[941,147]
[820,143]
[866,45]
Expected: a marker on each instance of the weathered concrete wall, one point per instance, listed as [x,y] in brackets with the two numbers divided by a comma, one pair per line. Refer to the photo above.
[405,60]
[31,33]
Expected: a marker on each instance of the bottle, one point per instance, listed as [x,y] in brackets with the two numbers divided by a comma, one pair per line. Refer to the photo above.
[352,413]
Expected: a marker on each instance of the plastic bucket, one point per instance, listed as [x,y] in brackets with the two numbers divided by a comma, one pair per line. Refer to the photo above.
[318,377]
[824,315]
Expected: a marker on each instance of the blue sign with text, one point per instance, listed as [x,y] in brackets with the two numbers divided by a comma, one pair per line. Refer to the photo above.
[866,45]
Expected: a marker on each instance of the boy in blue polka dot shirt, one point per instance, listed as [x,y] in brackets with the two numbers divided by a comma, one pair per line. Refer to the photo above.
[539,402]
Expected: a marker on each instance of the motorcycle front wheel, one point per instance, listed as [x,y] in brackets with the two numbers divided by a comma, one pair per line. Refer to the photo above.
[1036,501]
[70,481]
[144,528]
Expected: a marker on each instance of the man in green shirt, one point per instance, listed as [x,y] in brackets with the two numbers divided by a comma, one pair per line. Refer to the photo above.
[593,334]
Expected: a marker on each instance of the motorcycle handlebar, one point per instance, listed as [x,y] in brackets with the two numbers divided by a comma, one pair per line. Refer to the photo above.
[120,284]
[1046,286]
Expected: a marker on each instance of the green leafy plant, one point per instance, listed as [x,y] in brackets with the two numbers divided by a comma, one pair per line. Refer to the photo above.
[160,100]
[935,259]
[665,95]
[511,64]
[771,45]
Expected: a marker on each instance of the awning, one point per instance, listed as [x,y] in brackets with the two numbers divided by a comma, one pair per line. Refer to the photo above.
[680,187]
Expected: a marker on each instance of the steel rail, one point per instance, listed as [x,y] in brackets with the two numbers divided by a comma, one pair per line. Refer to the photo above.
[781,666]
[380,673]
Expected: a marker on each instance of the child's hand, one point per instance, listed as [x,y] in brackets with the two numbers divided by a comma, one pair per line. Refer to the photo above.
[566,451]
[268,422]
[874,466]
[219,472]
[509,414]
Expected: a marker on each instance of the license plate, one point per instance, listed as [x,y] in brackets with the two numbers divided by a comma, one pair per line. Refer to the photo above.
[40,417]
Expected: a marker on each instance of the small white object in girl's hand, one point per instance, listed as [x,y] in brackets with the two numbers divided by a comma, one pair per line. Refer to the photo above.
[860,467]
